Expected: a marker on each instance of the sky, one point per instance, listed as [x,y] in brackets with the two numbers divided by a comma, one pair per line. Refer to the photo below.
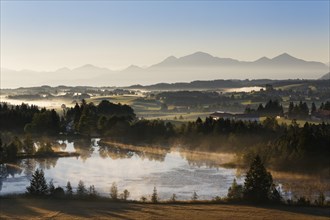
[47,35]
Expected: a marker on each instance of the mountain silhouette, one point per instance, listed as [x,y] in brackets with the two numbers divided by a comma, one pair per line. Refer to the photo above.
[196,66]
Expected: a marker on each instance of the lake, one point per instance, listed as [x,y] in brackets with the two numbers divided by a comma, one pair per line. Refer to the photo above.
[136,169]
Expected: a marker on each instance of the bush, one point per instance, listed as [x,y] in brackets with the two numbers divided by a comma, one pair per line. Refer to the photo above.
[303,201]
[58,193]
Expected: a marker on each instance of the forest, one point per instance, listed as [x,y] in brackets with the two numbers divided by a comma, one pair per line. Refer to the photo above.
[281,146]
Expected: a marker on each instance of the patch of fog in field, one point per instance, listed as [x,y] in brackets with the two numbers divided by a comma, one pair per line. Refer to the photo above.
[170,173]
[53,103]
[244,89]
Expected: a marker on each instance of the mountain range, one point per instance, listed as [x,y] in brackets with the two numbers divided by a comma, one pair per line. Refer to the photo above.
[196,66]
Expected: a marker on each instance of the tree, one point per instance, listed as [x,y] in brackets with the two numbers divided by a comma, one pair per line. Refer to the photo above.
[235,192]
[92,191]
[125,194]
[58,192]
[114,191]
[194,196]
[28,145]
[154,196]
[38,185]
[320,199]
[173,198]
[81,189]
[51,187]
[69,190]
[258,182]
[275,195]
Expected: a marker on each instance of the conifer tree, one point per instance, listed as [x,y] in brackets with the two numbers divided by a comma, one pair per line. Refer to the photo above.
[258,182]
[69,190]
[81,189]
[51,187]
[154,196]
[235,192]
[38,184]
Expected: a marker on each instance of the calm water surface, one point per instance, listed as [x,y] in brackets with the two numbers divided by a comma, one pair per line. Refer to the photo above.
[137,171]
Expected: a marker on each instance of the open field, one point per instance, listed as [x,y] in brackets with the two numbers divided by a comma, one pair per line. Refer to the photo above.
[23,208]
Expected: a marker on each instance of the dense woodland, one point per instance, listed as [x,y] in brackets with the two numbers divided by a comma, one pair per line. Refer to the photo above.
[281,146]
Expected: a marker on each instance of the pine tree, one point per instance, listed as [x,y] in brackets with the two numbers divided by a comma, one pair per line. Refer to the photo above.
[154,196]
[258,182]
[235,192]
[69,190]
[92,191]
[38,184]
[51,187]
[81,189]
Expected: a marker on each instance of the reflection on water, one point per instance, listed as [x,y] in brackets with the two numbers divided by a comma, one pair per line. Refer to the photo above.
[137,169]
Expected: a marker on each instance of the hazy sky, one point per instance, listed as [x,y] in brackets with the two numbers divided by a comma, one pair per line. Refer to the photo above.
[52,34]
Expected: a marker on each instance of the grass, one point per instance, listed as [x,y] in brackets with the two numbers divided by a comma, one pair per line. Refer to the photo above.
[33,208]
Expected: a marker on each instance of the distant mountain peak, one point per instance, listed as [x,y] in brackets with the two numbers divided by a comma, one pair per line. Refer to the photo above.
[201,53]
[170,58]
[284,56]
[88,66]
[133,67]
[263,59]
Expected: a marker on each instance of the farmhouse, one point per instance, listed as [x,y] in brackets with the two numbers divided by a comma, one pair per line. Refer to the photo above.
[225,115]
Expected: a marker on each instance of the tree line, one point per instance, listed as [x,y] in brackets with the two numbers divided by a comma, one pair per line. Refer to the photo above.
[289,145]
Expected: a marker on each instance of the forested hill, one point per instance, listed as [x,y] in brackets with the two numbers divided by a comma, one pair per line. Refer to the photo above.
[220,83]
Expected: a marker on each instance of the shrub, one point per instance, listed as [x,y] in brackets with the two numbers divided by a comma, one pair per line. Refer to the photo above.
[58,193]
